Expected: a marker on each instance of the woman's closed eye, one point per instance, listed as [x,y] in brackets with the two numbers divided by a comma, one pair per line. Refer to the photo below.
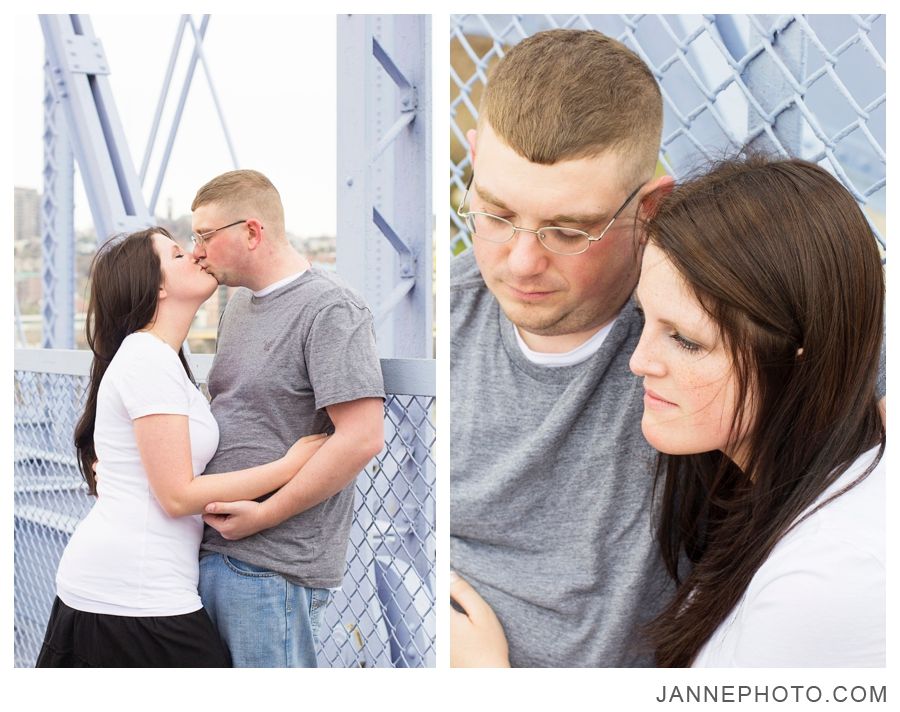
[684,343]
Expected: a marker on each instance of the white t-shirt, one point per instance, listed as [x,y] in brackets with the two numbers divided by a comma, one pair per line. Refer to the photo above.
[128,557]
[569,358]
[819,599]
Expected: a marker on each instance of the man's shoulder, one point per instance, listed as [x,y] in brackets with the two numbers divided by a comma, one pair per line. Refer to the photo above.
[464,272]
[471,302]
[323,289]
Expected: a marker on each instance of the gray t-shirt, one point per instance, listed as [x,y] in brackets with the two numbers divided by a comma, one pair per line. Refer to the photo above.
[280,360]
[551,515]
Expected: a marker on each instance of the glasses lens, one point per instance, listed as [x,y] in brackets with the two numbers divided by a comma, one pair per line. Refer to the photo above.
[564,241]
[489,227]
[195,239]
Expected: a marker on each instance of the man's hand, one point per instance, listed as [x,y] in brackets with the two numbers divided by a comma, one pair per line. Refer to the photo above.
[235,520]
[476,636]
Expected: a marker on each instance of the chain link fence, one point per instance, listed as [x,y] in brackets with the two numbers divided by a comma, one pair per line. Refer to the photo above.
[809,86]
[384,614]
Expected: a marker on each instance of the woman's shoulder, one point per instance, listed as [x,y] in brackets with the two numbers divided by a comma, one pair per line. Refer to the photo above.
[142,355]
[842,542]
[819,598]
[852,514]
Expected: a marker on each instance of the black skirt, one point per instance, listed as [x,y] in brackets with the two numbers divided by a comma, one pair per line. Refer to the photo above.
[80,639]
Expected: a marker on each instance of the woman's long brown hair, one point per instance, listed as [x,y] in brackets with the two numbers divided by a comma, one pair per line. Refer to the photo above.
[125,279]
[781,257]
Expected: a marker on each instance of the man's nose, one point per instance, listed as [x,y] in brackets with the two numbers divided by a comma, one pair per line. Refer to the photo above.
[527,256]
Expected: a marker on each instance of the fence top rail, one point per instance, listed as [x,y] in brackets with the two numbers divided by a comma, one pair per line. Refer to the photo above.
[402,376]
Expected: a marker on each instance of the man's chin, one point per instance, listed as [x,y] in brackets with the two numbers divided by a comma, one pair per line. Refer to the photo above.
[539,321]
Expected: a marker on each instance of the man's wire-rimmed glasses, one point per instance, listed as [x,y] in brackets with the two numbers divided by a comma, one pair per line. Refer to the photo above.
[561,240]
[199,238]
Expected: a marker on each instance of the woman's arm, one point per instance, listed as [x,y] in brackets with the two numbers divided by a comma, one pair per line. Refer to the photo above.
[165,447]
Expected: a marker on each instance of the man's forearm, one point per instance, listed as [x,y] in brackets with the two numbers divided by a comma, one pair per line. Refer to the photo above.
[330,470]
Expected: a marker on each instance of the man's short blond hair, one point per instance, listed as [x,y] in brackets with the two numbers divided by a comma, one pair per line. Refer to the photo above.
[568,94]
[245,191]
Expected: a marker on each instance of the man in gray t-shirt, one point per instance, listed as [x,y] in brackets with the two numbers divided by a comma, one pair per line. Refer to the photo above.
[295,356]
[551,479]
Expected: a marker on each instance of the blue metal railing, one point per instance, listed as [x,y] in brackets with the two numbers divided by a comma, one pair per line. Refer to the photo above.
[384,614]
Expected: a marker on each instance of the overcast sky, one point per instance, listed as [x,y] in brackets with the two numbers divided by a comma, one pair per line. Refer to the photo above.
[275,79]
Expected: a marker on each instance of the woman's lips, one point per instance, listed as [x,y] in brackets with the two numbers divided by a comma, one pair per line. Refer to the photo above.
[657,402]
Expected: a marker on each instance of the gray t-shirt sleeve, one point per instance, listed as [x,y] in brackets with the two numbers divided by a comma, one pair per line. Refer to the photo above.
[341,356]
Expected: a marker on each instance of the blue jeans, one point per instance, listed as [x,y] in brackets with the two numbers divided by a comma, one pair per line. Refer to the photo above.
[264,620]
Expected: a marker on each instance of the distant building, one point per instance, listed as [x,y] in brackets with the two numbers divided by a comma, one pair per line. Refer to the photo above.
[318,249]
[27,214]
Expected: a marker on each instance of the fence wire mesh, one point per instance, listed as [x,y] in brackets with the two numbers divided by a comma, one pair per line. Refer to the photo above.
[808,86]
[383,616]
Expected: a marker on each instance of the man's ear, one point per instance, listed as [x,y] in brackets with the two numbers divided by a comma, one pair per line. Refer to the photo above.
[471,137]
[654,192]
[254,233]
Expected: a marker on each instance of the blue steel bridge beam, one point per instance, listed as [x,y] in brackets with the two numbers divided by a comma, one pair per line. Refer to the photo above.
[57,223]
[80,70]
[384,246]
[385,219]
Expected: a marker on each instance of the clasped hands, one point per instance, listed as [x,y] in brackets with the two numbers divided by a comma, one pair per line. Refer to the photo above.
[237,520]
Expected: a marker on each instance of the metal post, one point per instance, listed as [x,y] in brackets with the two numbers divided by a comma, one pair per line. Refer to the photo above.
[57,221]
[384,179]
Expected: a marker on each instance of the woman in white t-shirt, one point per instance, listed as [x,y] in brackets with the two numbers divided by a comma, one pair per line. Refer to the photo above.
[763,294]
[127,581]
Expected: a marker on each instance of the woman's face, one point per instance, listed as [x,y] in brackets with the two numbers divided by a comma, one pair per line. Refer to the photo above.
[689,383]
[182,277]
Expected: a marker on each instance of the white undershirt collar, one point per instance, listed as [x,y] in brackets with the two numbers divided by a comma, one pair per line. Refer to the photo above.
[577,355]
[279,284]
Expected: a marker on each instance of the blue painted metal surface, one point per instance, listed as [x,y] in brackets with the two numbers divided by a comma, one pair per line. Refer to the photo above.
[197,55]
[384,174]
[57,221]
[78,65]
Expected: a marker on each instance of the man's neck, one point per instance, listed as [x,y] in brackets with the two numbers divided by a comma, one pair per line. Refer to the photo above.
[278,264]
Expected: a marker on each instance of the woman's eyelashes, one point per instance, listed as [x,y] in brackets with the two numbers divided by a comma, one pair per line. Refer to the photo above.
[680,341]
[686,344]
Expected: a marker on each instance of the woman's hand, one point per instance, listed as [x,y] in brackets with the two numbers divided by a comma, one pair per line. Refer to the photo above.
[476,636]
[304,449]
